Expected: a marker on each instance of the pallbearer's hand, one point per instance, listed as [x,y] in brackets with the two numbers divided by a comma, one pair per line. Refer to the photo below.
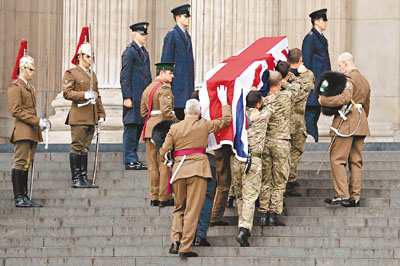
[222,94]
[101,121]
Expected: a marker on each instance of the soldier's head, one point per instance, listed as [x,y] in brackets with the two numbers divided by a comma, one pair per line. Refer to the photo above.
[139,32]
[192,108]
[164,71]
[254,99]
[24,65]
[182,15]
[295,57]
[274,81]
[345,62]
[84,55]
[319,19]
[283,67]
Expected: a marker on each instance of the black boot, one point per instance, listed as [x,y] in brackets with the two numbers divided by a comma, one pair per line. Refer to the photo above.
[243,237]
[264,219]
[84,178]
[75,164]
[291,191]
[273,220]
[229,201]
[20,186]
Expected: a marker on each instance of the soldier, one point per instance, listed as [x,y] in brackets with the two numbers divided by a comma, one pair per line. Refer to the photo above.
[248,184]
[277,146]
[189,140]
[298,135]
[77,88]
[27,125]
[347,147]
[157,105]
[178,49]
[316,58]
[135,77]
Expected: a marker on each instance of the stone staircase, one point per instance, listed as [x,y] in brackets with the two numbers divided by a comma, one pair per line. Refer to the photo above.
[114,225]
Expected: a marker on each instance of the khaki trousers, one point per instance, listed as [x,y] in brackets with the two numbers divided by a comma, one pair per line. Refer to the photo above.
[189,199]
[24,152]
[222,157]
[81,137]
[158,173]
[347,151]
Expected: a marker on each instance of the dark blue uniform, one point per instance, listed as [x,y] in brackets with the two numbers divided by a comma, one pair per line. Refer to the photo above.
[178,49]
[316,58]
[135,77]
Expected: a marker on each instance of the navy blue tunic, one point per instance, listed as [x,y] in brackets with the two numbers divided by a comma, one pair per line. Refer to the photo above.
[178,49]
[316,58]
[135,77]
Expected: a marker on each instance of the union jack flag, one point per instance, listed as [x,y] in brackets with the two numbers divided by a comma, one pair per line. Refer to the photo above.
[239,73]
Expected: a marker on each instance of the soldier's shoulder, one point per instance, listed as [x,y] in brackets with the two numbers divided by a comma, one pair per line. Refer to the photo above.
[71,70]
[15,83]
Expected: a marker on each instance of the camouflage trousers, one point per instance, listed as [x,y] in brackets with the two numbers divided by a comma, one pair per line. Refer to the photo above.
[275,167]
[248,188]
[297,144]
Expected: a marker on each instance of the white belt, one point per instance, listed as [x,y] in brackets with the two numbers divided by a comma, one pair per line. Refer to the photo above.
[158,112]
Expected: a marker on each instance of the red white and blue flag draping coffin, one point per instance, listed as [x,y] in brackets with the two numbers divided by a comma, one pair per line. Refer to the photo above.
[239,73]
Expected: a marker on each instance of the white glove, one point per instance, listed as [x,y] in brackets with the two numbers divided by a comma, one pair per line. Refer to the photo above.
[44,124]
[91,95]
[101,121]
[221,92]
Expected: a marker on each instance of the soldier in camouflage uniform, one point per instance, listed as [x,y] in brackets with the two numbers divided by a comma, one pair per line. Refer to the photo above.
[298,135]
[276,151]
[248,184]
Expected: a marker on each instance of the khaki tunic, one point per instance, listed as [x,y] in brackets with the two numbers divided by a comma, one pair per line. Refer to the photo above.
[75,83]
[359,90]
[163,101]
[193,133]
[22,105]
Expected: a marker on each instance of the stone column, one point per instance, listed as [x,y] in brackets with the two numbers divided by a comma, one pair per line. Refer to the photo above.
[39,22]
[110,21]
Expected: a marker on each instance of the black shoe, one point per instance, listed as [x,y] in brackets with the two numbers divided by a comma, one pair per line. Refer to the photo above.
[295,183]
[135,166]
[174,249]
[351,203]
[243,237]
[164,203]
[201,242]
[154,203]
[291,192]
[219,223]
[75,165]
[336,200]
[264,219]
[84,178]
[184,255]
[229,202]
[273,220]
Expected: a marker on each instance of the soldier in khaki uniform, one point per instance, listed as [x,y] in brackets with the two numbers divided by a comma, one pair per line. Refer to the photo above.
[248,184]
[157,105]
[76,88]
[347,150]
[298,134]
[277,146]
[27,126]
[189,139]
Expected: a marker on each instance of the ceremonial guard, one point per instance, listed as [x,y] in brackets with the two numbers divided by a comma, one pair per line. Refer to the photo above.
[191,170]
[298,133]
[80,86]
[177,48]
[135,77]
[315,58]
[26,132]
[348,134]
[157,105]
[277,146]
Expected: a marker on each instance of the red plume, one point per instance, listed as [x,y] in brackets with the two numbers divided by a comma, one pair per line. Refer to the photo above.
[84,33]
[23,46]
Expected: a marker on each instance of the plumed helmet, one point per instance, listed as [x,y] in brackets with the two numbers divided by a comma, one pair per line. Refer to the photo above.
[330,83]
[23,60]
[27,61]
[83,41]
[85,48]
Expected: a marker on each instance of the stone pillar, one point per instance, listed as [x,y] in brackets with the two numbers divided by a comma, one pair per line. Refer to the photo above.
[110,21]
[39,22]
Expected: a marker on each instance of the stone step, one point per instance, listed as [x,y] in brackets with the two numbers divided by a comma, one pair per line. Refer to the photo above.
[85,221]
[149,251]
[331,230]
[229,241]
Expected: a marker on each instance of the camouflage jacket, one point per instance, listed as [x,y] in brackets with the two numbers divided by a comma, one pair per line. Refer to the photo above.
[256,133]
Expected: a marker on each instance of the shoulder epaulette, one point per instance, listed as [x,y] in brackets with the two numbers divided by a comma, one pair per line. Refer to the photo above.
[68,71]
[14,84]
